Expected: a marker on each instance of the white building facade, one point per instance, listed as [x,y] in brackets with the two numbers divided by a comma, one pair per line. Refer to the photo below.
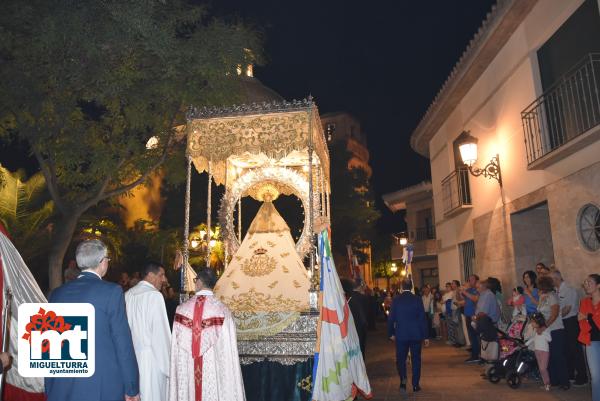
[417,203]
[528,89]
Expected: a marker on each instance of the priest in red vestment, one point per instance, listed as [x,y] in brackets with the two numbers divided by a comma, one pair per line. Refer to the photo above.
[205,365]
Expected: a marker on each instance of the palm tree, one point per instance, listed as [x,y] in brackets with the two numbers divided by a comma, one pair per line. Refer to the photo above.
[26,212]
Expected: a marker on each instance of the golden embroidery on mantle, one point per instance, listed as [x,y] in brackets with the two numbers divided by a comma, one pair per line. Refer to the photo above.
[259,264]
[253,301]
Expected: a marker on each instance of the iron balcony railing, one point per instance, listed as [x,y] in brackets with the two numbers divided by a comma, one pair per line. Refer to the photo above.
[455,190]
[425,233]
[566,110]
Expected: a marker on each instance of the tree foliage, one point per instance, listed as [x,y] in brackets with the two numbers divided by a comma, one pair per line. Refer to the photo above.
[86,83]
[353,213]
[381,247]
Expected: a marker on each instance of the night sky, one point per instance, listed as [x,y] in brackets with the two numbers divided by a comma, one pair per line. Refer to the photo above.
[383,61]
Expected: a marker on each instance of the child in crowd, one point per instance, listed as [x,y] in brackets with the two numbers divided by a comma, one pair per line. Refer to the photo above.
[517,302]
[540,341]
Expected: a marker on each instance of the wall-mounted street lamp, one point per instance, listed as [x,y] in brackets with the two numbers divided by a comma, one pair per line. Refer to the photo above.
[403,240]
[467,146]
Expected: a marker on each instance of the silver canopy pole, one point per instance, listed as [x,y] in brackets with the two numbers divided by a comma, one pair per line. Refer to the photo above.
[186,230]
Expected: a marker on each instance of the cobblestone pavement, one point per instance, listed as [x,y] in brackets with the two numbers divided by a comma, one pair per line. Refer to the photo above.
[445,377]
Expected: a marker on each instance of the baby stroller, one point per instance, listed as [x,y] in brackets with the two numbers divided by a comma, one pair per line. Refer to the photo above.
[507,339]
[516,359]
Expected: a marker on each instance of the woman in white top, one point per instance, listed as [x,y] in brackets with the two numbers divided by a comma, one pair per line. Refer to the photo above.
[549,307]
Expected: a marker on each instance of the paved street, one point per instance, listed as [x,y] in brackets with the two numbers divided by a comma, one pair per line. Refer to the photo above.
[446,378]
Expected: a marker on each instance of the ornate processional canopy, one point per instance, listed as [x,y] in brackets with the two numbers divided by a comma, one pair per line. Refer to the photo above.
[277,146]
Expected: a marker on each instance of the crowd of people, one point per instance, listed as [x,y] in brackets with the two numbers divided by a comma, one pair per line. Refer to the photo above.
[544,311]
[560,326]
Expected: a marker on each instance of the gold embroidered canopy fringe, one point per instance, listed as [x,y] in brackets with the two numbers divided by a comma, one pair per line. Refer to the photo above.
[252,136]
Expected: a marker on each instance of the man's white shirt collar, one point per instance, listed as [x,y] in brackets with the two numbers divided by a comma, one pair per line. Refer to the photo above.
[149,284]
[90,271]
[204,292]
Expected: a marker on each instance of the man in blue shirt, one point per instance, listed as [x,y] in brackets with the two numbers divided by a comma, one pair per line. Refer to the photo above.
[471,296]
[407,325]
[487,305]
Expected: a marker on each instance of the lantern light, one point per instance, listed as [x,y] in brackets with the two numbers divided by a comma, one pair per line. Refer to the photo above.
[467,146]
[468,153]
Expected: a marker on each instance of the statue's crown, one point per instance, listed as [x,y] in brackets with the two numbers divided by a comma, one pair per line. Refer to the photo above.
[260,251]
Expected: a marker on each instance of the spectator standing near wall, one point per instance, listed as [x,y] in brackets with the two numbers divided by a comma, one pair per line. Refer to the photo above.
[530,292]
[447,299]
[427,298]
[471,296]
[455,331]
[589,325]
[441,330]
[549,306]
[569,306]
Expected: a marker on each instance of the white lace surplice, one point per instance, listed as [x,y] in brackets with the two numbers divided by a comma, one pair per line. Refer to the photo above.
[221,372]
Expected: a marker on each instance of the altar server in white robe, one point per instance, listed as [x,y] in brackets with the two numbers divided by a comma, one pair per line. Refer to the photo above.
[205,365]
[150,331]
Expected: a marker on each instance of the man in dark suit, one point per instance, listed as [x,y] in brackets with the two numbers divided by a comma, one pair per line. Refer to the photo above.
[407,325]
[359,305]
[116,373]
